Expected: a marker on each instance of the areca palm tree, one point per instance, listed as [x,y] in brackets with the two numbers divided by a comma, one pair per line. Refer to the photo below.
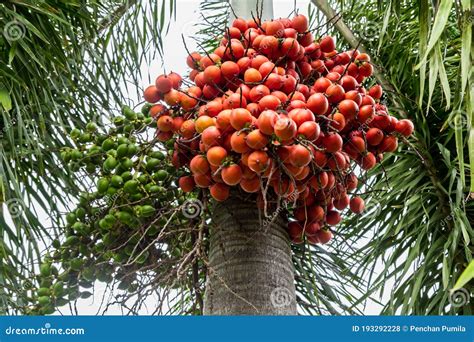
[418,231]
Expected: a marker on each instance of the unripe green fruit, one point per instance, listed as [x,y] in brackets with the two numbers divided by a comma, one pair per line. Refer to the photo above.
[118,120]
[144,210]
[111,191]
[126,164]
[116,181]
[43,291]
[132,149]
[160,175]
[108,144]
[76,264]
[131,186]
[58,288]
[45,270]
[122,150]
[129,113]
[123,140]
[110,163]
[102,185]
[146,108]
[44,300]
[85,137]
[127,175]
[80,213]
[91,127]
[152,164]
[71,218]
[158,155]
[76,155]
[75,133]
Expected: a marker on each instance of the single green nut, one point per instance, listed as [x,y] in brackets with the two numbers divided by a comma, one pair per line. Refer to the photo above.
[44,291]
[110,163]
[124,217]
[102,185]
[104,224]
[127,175]
[118,120]
[76,154]
[158,155]
[146,108]
[128,128]
[123,140]
[160,175]
[66,156]
[131,186]
[108,144]
[56,244]
[45,270]
[71,240]
[76,264]
[144,210]
[91,127]
[58,288]
[75,133]
[44,300]
[85,137]
[122,150]
[129,113]
[71,218]
[111,191]
[126,164]
[152,164]
[81,213]
[143,179]
[149,121]
[81,228]
[116,181]
[132,149]
[110,218]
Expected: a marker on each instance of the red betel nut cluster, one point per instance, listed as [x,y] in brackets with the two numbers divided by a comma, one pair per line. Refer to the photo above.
[273,105]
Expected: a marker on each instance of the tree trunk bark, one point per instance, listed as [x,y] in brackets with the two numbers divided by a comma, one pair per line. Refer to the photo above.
[250,268]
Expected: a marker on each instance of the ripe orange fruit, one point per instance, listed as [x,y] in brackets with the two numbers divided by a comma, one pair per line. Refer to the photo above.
[300,156]
[163,84]
[186,183]
[219,191]
[187,129]
[238,142]
[285,129]
[240,118]
[203,181]
[266,121]
[151,94]
[203,122]
[165,123]
[232,174]
[199,165]
[258,161]
[256,139]
[216,155]
[404,127]
[374,136]
[211,136]
[357,205]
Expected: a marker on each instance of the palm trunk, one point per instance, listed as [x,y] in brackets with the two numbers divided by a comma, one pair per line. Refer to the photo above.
[250,267]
